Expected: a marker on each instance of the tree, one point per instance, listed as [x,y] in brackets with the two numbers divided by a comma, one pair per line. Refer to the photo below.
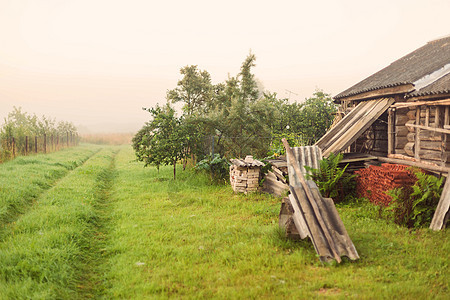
[242,124]
[194,89]
[162,141]
[317,114]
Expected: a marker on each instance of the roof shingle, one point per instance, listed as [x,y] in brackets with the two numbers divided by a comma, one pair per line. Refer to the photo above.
[408,69]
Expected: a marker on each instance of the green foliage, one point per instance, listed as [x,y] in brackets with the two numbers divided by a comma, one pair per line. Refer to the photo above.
[162,141]
[19,125]
[332,180]
[237,116]
[217,166]
[415,207]
[317,114]
[194,89]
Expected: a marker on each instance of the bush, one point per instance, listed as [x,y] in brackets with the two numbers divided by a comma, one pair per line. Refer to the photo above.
[217,166]
[415,206]
[332,180]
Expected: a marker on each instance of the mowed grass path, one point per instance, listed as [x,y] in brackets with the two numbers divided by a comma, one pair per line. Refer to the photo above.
[112,229]
[52,251]
[25,178]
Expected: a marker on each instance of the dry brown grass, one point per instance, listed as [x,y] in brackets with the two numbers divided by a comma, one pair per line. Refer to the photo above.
[107,138]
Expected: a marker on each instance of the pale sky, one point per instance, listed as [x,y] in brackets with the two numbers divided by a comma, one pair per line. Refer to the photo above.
[96,63]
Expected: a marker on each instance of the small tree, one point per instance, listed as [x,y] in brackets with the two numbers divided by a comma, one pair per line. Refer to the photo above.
[163,140]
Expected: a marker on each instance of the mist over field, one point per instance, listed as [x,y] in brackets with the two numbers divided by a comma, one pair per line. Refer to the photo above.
[124,55]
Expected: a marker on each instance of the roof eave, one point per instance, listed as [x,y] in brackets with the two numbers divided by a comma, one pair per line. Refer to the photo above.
[378,93]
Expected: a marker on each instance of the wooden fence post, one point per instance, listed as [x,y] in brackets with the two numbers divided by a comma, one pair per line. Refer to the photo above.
[45,143]
[14,147]
[26,145]
[35,144]
[67,139]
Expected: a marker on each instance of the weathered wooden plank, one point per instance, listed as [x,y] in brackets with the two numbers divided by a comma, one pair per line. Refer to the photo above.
[433,129]
[341,125]
[391,131]
[311,211]
[417,137]
[422,165]
[357,127]
[320,233]
[285,219]
[444,156]
[401,131]
[420,103]
[298,218]
[405,88]
[441,214]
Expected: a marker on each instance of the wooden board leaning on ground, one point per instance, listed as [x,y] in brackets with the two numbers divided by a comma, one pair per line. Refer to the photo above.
[316,217]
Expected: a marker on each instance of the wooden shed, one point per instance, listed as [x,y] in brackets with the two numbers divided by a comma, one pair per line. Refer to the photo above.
[400,114]
[245,174]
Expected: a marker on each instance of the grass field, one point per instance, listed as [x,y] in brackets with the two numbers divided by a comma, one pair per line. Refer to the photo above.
[103,226]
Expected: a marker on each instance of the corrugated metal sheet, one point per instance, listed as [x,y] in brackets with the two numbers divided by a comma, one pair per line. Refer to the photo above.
[307,156]
[353,125]
[316,217]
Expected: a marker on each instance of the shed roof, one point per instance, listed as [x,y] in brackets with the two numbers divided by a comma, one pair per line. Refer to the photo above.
[433,56]
[440,86]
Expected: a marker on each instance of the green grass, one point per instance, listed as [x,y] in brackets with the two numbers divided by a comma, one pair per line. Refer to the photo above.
[112,229]
[190,239]
[47,253]
[25,178]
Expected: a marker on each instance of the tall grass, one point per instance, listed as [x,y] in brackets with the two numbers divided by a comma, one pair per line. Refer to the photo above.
[25,178]
[112,229]
[190,239]
[44,254]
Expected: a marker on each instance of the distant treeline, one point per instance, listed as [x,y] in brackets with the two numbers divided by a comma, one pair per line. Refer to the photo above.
[22,134]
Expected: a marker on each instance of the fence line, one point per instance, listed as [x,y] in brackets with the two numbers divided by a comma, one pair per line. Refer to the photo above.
[12,147]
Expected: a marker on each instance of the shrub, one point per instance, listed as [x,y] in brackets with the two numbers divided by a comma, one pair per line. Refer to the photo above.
[415,206]
[332,180]
[216,165]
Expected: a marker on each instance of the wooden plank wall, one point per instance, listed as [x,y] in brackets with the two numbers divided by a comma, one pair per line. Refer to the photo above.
[375,139]
[419,143]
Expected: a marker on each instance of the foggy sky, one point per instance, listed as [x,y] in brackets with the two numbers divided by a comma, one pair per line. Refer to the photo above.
[96,63]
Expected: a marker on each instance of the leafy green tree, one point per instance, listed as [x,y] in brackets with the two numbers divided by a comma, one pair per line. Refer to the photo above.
[317,114]
[195,90]
[242,118]
[163,140]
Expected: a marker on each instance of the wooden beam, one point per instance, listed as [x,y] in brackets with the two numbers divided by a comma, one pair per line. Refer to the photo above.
[385,92]
[440,130]
[428,97]
[444,138]
[417,137]
[420,103]
[424,166]
[391,130]
[437,118]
